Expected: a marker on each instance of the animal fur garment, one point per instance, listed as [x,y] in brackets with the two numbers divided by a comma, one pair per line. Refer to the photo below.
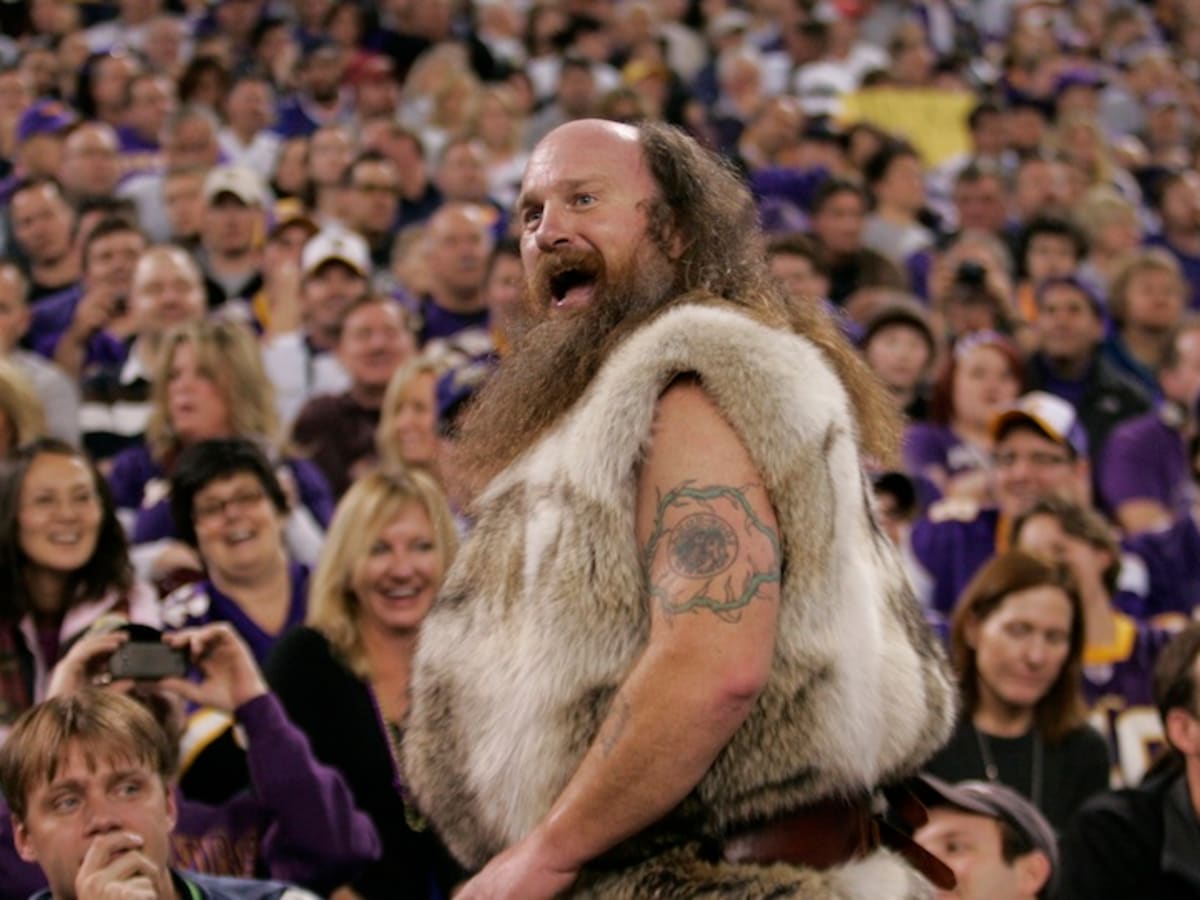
[546,610]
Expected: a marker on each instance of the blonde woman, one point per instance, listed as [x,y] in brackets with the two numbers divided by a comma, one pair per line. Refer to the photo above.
[498,123]
[21,415]
[209,384]
[1113,231]
[344,676]
[407,435]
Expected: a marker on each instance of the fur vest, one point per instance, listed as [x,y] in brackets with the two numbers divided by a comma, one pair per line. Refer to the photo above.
[545,611]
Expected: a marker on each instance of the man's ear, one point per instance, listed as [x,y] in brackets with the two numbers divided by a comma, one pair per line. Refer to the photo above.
[172,806]
[1033,871]
[1183,731]
[22,842]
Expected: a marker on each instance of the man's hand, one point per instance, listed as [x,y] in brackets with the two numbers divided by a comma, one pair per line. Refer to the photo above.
[99,306]
[115,868]
[522,872]
[84,664]
[231,677]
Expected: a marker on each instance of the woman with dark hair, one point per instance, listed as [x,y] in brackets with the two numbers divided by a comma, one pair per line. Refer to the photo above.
[950,453]
[101,89]
[64,563]
[1016,644]
[230,507]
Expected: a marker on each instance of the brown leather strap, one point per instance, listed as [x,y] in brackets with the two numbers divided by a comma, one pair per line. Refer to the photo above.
[820,835]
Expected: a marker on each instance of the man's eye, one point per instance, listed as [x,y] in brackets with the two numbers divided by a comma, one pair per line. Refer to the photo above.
[585,199]
[129,788]
[65,804]
[531,216]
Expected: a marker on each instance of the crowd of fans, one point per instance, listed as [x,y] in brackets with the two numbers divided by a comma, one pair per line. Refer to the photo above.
[257,257]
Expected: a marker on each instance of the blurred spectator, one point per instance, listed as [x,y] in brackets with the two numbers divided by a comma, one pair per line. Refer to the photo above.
[66,563]
[102,90]
[335,269]
[898,344]
[22,418]
[457,245]
[838,217]
[88,327]
[290,179]
[1016,644]
[231,233]
[43,226]
[1146,304]
[183,199]
[58,395]
[980,198]
[338,430]
[330,153]
[321,97]
[1178,206]
[1069,362]
[150,102]
[232,510]
[1143,841]
[574,97]
[189,141]
[249,111]
[275,309]
[343,677]
[1120,643]
[1047,247]
[1040,449]
[1111,226]
[91,164]
[894,177]
[408,423]
[499,125]
[209,383]
[418,195]
[951,452]
[376,91]
[798,262]
[1145,497]
[374,203]
[999,846]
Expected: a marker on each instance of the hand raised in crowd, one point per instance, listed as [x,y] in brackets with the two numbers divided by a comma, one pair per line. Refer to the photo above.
[230,676]
[99,306]
[85,664]
[115,868]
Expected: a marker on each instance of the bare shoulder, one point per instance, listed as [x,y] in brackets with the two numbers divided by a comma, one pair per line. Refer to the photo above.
[688,421]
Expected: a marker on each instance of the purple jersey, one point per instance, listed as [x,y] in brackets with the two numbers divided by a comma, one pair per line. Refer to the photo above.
[1118,684]
[437,322]
[1124,474]
[1172,560]
[952,549]
[929,447]
[203,602]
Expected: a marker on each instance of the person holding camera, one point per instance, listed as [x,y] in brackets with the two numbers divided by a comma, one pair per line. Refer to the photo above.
[297,822]
[64,563]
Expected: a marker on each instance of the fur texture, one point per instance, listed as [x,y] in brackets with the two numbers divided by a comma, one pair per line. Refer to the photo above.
[544,612]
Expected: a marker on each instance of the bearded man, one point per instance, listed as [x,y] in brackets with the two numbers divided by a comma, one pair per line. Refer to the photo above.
[675,637]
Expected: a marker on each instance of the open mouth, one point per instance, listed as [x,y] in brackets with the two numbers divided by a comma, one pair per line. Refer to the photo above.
[65,539]
[572,287]
[241,536]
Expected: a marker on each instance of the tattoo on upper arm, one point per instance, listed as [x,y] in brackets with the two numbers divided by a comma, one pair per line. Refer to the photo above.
[719,552]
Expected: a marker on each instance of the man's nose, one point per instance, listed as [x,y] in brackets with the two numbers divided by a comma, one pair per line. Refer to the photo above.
[552,231]
[100,819]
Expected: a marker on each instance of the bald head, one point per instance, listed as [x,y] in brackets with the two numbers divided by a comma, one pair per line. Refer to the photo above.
[167,290]
[458,242]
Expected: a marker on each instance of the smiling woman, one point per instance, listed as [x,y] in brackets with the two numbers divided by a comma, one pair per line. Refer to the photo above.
[1016,643]
[344,677]
[64,562]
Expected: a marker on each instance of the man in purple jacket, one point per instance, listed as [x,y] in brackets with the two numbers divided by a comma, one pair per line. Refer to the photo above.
[297,823]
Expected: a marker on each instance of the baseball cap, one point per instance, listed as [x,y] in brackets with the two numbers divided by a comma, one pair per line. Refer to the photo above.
[288,212]
[996,801]
[44,117]
[1052,416]
[336,244]
[243,183]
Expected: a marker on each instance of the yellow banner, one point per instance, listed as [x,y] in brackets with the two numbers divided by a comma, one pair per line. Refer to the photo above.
[935,122]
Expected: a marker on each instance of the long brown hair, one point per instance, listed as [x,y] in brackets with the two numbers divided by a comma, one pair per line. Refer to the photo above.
[1061,709]
[701,199]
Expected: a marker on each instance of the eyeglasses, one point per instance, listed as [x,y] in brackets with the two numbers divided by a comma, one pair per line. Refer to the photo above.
[1040,460]
[212,509]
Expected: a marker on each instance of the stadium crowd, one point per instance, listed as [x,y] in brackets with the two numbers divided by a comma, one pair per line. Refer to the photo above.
[257,257]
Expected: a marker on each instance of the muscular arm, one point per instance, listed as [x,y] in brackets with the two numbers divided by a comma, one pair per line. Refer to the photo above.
[713,569]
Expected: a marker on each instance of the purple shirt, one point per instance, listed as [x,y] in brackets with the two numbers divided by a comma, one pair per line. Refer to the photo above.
[929,446]
[1126,475]
[952,551]
[202,602]
[299,821]
[1172,559]
[52,317]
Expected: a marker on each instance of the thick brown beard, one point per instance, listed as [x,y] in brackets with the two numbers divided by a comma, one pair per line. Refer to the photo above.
[555,357]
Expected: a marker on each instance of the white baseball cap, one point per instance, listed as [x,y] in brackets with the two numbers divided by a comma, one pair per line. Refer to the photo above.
[336,244]
[243,183]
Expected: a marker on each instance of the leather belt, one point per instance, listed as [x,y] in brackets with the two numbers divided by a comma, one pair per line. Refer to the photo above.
[832,832]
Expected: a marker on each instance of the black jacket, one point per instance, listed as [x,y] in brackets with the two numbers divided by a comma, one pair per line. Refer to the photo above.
[1139,842]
